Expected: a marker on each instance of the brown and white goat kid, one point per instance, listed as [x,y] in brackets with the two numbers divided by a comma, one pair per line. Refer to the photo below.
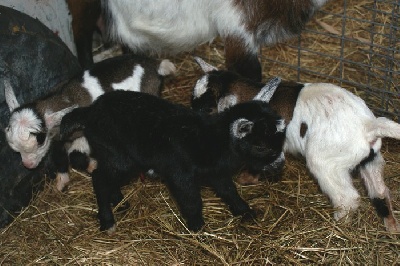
[331,127]
[33,126]
[172,26]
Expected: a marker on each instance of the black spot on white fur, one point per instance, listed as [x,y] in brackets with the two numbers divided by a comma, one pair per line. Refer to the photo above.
[368,159]
[303,129]
[381,207]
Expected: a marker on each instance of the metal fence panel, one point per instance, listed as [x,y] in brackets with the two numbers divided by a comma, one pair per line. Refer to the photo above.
[352,43]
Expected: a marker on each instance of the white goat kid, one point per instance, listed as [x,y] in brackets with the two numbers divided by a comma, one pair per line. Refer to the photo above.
[331,127]
[342,134]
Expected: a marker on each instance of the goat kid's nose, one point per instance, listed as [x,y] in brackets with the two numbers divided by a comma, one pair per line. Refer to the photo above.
[29,164]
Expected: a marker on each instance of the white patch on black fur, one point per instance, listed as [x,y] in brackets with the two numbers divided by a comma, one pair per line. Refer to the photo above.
[241,128]
[281,126]
[201,87]
[166,68]
[133,82]
[277,163]
[226,102]
[92,85]
[81,145]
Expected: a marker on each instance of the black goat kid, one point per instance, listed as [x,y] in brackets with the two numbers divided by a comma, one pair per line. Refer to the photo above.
[130,132]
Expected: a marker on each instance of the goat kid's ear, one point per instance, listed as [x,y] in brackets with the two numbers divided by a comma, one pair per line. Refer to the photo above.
[206,67]
[54,119]
[11,99]
[241,127]
[268,90]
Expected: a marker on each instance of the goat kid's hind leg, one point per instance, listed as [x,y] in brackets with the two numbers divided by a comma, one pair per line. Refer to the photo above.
[187,195]
[103,189]
[372,174]
[116,198]
[336,183]
[79,155]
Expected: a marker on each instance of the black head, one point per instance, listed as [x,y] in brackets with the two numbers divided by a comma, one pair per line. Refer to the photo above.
[209,89]
[257,132]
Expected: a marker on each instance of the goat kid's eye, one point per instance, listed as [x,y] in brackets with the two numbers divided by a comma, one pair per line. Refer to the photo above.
[40,137]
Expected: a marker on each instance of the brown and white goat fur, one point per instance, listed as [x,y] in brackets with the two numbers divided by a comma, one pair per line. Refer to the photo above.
[331,127]
[33,126]
[172,26]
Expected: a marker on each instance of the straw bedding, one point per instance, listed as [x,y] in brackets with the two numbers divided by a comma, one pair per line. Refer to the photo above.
[294,225]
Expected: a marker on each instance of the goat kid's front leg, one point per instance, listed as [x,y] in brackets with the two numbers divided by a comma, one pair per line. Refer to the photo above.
[226,189]
[188,197]
[239,59]
[57,165]
[372,174]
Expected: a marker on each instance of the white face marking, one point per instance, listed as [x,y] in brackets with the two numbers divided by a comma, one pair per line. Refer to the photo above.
[226,102]
[277,163]
[241,127]
[201,87]
[21,125]
[131,83]
[20,139]
[280,127]
[92,85]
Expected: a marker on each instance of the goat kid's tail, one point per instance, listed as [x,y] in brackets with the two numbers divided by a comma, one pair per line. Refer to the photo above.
[166,68]
[73,122]
[383,127]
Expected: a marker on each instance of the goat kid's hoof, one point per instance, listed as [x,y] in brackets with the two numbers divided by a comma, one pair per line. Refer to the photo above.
[92,165]
[108,228]
[195,226]
[343,216]
[391,225]
[62,179]
[250,215]
[111,230]
[123,207]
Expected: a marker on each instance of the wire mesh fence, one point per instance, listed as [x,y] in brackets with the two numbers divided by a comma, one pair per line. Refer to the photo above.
[353,43]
